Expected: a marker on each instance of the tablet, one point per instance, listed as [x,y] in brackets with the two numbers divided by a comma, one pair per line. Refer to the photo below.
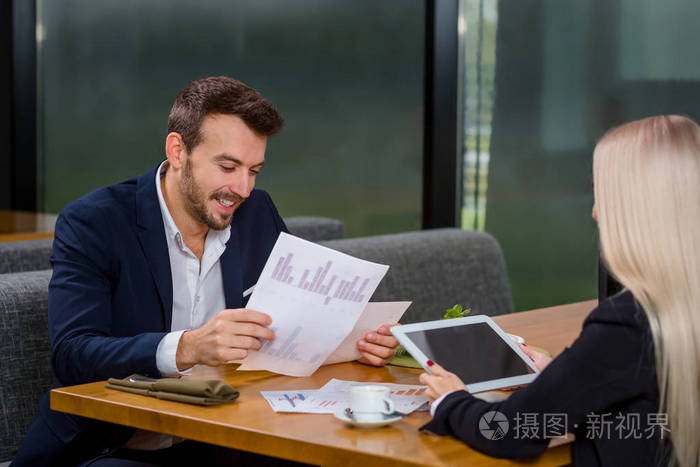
[474,348]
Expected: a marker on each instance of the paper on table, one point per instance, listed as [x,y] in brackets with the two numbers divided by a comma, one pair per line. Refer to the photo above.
[336,395]
[407,397]
[375,314]
[314,296]
[324,402]
[286,401]
[314,401]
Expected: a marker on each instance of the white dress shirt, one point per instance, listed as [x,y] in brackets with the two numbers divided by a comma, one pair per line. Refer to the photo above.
[198,295]
[198,288]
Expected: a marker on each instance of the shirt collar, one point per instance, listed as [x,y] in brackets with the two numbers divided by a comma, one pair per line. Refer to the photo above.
[171,230]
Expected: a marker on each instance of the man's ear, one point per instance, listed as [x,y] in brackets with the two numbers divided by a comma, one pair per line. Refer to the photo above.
[175,150]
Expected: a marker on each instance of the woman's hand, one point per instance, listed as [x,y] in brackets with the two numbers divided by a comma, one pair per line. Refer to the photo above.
[540,360]
[440,382]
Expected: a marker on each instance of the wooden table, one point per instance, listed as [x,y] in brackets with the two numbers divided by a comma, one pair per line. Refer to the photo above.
[20,225]
[251,425]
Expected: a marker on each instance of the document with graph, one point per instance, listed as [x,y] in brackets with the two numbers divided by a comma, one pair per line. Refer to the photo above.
[335,394]
[314,296]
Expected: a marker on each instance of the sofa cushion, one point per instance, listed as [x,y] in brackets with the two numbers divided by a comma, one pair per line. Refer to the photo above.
[315,229]
[437,269]
[27,255]
[25,374]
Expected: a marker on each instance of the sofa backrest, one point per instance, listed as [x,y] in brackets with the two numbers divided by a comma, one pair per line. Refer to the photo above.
[436,269]
[25,372]
[315,229]
[27,255]
[33,255]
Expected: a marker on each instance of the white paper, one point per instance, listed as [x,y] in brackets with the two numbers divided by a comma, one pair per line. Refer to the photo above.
[324,402]
[286,401]
[314,401]
[406,397]
[335,395]
[375,314]
[314,296]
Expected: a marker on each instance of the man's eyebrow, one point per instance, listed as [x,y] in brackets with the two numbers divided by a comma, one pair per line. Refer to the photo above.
[230,158]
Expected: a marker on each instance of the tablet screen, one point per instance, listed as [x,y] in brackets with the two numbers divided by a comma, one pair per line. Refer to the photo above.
[473,352]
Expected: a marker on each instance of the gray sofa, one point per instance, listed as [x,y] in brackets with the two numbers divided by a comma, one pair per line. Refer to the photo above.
[27,255]
[33,255]
[315,229]
[25,373]
[433,268]
[436,269]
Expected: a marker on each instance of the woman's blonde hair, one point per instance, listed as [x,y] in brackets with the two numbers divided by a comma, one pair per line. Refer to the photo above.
[647,194]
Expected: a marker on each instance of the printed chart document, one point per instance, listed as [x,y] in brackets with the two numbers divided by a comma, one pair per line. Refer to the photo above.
[335,395]
[407,397]
[314,296]
[375,314]
[315,401]
[286,401]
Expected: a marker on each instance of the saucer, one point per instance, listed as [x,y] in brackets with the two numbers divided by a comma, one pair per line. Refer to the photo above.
[388,419]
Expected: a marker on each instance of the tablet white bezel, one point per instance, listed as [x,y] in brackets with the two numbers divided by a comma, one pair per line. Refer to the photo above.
[400,333]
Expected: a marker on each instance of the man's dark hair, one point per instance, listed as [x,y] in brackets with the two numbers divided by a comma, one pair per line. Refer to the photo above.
[220,95]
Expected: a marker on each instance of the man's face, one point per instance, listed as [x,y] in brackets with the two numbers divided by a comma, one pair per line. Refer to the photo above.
[219,174]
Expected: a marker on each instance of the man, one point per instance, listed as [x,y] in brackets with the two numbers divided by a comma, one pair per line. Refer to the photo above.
[148,274]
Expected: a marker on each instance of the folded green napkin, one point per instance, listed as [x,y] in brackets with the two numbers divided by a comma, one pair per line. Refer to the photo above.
[191,391]
[405,360]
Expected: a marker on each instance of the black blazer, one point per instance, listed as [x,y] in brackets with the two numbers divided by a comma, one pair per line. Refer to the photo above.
[111,299]
[603,389]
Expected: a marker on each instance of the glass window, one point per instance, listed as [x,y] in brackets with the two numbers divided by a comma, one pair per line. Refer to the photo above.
[542,81]
[346,76]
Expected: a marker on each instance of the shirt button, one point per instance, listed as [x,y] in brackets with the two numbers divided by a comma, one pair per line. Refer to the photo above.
[196,299]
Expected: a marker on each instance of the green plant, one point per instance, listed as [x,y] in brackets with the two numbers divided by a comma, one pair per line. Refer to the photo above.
[456,311]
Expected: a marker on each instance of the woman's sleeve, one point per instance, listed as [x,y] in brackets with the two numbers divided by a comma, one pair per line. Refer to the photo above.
[608,363]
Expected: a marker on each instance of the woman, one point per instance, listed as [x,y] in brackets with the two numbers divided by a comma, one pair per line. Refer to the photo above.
[628,387]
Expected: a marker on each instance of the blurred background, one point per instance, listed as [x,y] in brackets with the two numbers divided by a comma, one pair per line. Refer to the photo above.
[400,114]
[348,84]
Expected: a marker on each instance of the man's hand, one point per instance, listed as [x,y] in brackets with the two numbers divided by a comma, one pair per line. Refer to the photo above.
[226,337]
[378,346]
[440,382]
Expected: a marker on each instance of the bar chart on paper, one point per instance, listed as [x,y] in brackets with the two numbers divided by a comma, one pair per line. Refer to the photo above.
[286,401]
[289,349]
[320,281]
[336,394]
[314,296]
[406,397]
[313,401]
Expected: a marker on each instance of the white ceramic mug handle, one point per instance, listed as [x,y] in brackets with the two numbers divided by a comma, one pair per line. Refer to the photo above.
[390,408]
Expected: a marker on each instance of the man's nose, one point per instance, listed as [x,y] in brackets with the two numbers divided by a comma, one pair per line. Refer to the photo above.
[241,184]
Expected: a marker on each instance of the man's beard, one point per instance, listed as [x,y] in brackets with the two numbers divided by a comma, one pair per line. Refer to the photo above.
[196,200]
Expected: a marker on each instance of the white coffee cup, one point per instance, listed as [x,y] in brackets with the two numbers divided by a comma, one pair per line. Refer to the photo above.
[370,403]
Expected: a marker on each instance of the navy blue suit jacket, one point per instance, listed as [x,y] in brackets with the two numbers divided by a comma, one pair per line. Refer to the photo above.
[111,297]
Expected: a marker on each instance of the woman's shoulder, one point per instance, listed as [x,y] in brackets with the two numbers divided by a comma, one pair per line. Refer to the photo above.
[621,309]
[616,337]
